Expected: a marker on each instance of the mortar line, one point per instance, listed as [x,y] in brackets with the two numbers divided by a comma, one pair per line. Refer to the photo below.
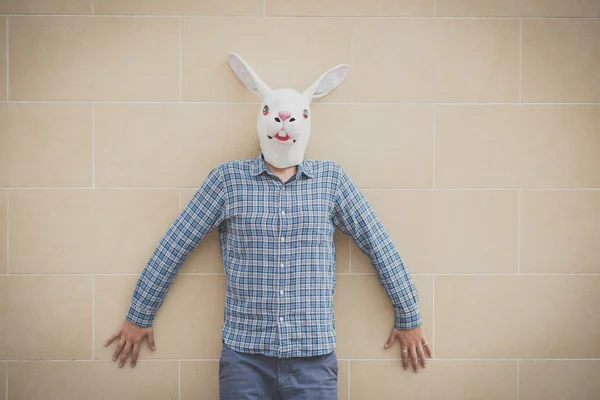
[6,378]
[518,232]
[518,377]
[349,255]
[116,274]
[404,189]
[7,59]
[433,148]
[337,274]
[449,189]
[93,145]
[93,7]
[351,61]
[6,197]
[187,360]
[180,59]
[459,274]
[349,385]
[435,9]
[98,188]
[258,16]
[106,360]
[93,317]
[326,103]
[520,60]
[179,379]
[264,8]
[433,320]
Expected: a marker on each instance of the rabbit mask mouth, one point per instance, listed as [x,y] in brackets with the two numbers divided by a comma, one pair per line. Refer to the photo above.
[283,124]
[282,136]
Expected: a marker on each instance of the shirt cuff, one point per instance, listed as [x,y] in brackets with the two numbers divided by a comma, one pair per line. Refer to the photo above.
[407,319]
[140,316]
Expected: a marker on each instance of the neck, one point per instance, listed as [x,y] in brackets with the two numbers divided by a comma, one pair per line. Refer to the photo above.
[283,173]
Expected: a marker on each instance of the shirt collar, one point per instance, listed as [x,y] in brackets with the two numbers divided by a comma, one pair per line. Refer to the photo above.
[259,167]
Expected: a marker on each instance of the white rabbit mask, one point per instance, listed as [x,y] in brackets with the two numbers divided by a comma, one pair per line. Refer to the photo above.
[284,116]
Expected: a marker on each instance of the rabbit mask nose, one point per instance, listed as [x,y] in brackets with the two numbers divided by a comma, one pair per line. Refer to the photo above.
[284,115]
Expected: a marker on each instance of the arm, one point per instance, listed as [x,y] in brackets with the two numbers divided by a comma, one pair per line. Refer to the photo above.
[354,216]
[202,214]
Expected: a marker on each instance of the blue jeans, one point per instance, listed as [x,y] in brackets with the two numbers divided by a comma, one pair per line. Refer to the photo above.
[258,377]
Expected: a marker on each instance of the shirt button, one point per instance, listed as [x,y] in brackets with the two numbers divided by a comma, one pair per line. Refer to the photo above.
[282,239]
[281,319]
[283,213]
[281,292]
[282,265]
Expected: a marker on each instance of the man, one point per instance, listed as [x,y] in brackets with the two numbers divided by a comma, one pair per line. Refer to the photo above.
[276,216]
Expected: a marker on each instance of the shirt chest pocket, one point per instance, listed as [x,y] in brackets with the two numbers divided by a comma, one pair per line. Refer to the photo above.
[253,226]
[313,223]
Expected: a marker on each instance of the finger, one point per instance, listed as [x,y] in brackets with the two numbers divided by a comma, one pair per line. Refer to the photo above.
[125,354]
[405,356]
[135,354]
[112,337]
[151,340]
[390,341]
[421,356]
[118,348]
[413,358]
[428,350]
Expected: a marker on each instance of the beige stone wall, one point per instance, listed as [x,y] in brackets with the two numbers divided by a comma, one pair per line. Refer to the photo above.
[473,126]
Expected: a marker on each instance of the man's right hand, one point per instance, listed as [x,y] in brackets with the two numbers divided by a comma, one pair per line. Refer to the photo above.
[130,335]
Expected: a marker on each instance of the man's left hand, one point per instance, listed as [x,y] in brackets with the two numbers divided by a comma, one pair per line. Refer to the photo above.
[412,342]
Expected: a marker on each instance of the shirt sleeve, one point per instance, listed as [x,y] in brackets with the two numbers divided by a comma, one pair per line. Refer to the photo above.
[354,216]
[203,213]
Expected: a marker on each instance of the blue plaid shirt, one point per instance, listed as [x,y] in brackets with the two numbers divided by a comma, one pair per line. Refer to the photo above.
[277,246]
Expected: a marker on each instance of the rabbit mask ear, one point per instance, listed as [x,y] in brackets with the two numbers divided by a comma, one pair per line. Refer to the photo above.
[327,82]
[248,77]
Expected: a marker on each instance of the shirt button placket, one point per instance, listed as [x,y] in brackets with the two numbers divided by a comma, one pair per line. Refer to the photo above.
[282,240]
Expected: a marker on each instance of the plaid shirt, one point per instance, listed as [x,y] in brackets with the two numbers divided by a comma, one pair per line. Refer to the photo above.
[277,245]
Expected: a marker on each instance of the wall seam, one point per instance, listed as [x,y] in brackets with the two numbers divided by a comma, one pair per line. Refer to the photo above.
[7,59]
[349,385]
[399,189]
[499,275]
[519,232]
[433,147]
[351,61]
[368,17]
[349,255]
[7,198]
[520,60]
[93,145]
[171,360]
[518,378]
[325,103]
[93,317]
[180,59]
[461,274]
[433,347]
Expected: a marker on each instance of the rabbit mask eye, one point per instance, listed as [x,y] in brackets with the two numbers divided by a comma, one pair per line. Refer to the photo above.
[266,110]
[305,114]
